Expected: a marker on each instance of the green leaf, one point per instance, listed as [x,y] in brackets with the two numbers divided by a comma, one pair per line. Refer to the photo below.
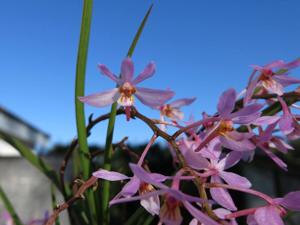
[79,107]
[110,130]
[10,207]
[32,158]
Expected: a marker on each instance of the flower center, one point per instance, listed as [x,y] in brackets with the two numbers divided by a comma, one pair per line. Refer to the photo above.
[171,209]
[145,188]
[225,126]
[167,110]
[266,75]
[126,90]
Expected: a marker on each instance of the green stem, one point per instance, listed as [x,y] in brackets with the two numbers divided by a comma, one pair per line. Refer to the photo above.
[9,207]
[79,91]
[110,132]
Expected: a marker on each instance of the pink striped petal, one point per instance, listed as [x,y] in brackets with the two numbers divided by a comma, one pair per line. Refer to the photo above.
[285,80]
[153,97]
[247,114]
[182,102]
[147,73]
[127,70]
[151,204]
[200,216]
[221,195]
[131,187]
[226,103]
[237,141]
[105,71]
[291,201]
[265,120]
[235,179]
[275,159]
[275,64]
[293,64]
[268,215]
[101,99]
[110,175]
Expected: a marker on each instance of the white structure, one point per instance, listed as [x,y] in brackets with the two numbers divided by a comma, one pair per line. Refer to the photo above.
[19,128]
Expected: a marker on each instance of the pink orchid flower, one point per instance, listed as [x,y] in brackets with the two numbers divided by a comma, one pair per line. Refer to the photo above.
[271,81]
[217,173]
[172,109]
[226,118]
[272,214]
[127,89]
[173,198]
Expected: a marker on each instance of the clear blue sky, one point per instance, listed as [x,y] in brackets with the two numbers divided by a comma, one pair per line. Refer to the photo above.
[200,47]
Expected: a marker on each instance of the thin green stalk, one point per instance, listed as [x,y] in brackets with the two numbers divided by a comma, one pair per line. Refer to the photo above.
[110,132]
[79,91]
[9,207]
[54,202]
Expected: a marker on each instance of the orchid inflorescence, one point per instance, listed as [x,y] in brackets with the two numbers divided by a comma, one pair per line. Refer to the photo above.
[204,150]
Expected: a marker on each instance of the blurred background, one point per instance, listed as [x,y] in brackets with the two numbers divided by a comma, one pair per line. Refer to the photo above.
[200,48]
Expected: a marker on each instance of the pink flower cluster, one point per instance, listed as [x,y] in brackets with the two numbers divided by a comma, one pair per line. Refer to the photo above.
[209,147]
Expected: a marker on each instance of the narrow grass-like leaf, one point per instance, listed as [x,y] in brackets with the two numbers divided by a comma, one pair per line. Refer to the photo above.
[32,158]
[79,107]
[10,207]
[110,131]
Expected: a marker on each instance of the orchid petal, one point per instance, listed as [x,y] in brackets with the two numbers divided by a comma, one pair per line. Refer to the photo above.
[226,102]
[275,159]
[265,120]
[268,215]
[235,179]
[247,114]
[246,119]
[147,73]
[127,70]
[293,64]
[182,102]
[252,83]
[145,176]
[105,71]
[151,204]
[251,220]
[275,64]
[101,99]
[200,216]
[273,86]
[110,175]
[153,97]
[237,144]
[131,187]
[221,195]
[285,80]
[232,159]
[291,201]
[281,145]
[193,159]
[136,198]
[286,124]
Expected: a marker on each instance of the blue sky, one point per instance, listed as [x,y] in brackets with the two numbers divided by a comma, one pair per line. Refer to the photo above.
[200,48]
